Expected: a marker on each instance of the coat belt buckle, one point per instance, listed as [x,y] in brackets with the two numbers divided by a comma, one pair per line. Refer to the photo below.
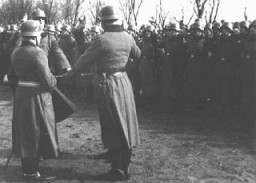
[192,56]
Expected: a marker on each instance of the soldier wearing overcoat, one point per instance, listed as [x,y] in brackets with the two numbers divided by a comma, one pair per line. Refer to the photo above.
[113,91]
[34,127]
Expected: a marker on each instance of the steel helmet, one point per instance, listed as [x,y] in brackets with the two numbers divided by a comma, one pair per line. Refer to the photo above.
[58,27]
[253,24]
[244,24]
[173,26]
[149,28]
[216,25]
[196,25]
[66,27]
[108,13]
[208,26]
[50,28]
[236,25]
[226,25]
[31,28]
[38,14]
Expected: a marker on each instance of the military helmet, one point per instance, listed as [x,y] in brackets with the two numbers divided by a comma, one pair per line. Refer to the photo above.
[173,26]
[216,25]
[226,25]
[149,28]
[13,27]
[50,28]
[108,13]
[244,24]
[66,27]
[196,25]
[58,27]
[38,14]
[236,25]
[31,28]
[253,24]
[208,26]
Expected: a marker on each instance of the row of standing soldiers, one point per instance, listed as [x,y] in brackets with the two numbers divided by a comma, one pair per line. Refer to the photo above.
[193,70]
[201,69]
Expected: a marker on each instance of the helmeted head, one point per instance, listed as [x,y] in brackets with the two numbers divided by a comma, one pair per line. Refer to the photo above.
[244,27]
[196,29]
[66,28]
[226,28]
[173,26]
[108,13]
[94,31]
[50,29]
[31,28]
[208,33]
[252,28]
[172,29]
[39,15]
[216,29]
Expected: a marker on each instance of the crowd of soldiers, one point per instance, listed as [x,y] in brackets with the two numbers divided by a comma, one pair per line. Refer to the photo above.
[196,69]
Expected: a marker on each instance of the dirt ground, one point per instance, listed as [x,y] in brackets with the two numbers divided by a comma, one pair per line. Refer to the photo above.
[174,149]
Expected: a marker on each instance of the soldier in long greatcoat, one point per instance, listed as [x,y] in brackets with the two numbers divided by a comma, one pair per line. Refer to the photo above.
[195,71]
[171,66]
[34,127]
[113,91]
[222,70]
[148,68]
[247,75]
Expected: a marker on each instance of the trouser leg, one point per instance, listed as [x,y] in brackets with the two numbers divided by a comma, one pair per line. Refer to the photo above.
[127,160]
[29,165]
[121,159]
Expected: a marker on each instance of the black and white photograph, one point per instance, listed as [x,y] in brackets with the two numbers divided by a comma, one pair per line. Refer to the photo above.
[135,91]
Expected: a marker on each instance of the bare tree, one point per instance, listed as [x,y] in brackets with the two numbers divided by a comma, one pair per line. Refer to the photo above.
[207,8]
[78,6]
[13,11]
[161,15]
[94,10]
[213,10]
[245,14]
[126,10]
[132,9]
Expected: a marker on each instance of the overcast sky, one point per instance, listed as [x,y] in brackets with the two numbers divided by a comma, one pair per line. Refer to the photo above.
[230,10]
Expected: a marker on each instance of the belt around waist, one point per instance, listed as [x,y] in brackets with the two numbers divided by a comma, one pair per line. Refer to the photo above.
[29,84]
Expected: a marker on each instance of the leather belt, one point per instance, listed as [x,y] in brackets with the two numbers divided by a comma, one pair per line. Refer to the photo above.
[29,84]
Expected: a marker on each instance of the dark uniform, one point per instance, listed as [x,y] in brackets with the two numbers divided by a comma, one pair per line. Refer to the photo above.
[195,71]
[222,73]
[148,69]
